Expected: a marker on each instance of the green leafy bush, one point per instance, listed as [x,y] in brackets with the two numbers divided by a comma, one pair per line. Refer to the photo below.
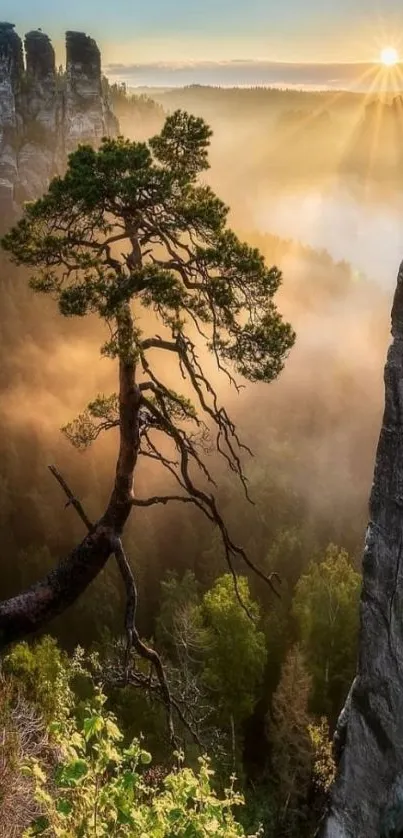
[43,672]
[100,788]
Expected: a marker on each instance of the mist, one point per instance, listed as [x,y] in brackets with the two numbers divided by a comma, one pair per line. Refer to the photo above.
[336,236]
[246,73]
[367,235]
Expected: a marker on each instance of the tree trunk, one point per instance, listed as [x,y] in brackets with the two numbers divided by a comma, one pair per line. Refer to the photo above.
[367,797]
[29,611]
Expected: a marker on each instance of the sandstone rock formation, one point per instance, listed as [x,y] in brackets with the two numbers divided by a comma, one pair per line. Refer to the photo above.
[367,798]
[45,114]
[11,74]
[87,115]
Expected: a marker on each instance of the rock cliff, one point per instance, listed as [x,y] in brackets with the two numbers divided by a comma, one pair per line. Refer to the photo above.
[45,113]
[367,798]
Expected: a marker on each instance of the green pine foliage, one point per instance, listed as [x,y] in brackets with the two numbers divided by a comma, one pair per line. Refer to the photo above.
[188,267]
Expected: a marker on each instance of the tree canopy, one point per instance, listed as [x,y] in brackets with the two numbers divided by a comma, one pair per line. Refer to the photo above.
[237,648]
[326,608]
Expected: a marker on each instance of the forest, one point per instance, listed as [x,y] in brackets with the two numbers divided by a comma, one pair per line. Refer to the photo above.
[291,135]
[234,737]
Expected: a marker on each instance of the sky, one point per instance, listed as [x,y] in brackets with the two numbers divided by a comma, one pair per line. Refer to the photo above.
[170,34]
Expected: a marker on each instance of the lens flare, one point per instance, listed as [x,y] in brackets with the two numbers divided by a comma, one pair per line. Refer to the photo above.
[389,56]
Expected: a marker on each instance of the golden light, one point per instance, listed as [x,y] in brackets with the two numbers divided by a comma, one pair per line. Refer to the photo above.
[389,57]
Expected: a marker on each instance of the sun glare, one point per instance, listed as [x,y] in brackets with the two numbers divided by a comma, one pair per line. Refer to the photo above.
[389,56]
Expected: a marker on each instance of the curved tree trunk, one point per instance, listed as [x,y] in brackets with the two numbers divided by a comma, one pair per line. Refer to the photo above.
[29,611]
[367,797]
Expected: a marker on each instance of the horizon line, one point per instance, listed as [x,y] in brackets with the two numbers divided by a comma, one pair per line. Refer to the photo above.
[189,62]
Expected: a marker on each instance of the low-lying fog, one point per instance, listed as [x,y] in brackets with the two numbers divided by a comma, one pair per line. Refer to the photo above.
[338,238]
[368,235]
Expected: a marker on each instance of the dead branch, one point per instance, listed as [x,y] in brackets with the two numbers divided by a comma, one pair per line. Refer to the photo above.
[207,503]
[138,680]
[72,500]
[133,638]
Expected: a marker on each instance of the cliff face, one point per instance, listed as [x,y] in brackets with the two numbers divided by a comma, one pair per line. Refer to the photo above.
[11,74]
[367,798]
[87,114]
[45,114]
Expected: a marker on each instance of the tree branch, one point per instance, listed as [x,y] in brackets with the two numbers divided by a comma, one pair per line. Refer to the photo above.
[138,680]
[158,343]
[133,637]
[72,500]
[163,499]
[208,506]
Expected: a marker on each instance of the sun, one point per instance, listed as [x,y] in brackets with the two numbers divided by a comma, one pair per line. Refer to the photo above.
[389,56]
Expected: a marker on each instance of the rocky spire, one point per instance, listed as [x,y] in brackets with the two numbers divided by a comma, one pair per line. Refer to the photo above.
[86,111]
[11,56]
[367,798]
[11,74]
[40,57]
[41,107]
[44,116]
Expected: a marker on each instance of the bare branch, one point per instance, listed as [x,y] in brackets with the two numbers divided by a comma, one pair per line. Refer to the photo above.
[163,499]
[138,680]
[133,637]
[208,506]
[158,343]
[72,500]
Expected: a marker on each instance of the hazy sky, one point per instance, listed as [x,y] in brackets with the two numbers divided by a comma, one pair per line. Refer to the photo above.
[175,31]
